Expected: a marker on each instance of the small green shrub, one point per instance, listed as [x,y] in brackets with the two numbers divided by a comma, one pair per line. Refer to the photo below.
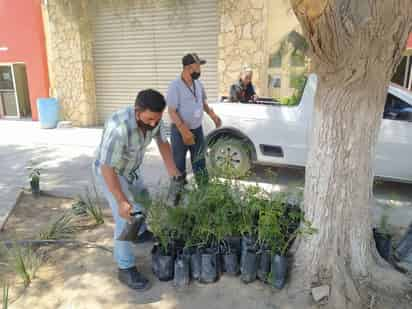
[24,262]
[280,223]
[223,208]
[86,205]
[61,228]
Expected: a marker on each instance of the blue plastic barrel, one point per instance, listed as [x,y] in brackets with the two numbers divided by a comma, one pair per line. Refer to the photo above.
[48,109]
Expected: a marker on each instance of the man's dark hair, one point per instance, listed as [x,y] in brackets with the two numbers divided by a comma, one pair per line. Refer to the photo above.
[151,100]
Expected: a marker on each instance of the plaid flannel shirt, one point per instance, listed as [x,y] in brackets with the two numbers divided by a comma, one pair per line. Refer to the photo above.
[123,144]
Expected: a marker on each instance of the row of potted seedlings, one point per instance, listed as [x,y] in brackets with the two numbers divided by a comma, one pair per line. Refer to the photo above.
[225,228]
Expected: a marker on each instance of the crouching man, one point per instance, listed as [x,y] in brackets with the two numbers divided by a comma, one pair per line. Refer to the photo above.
[126,135]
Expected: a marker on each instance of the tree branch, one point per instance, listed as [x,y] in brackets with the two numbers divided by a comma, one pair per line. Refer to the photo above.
[347,38]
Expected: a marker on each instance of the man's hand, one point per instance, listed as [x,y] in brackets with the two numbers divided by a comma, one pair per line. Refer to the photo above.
[216,120]
[175,190]
[112,181]
[187,136]
[124,210]
[212,115]
[166,152]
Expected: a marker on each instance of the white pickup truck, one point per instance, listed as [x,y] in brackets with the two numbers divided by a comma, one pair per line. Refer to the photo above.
[273,134]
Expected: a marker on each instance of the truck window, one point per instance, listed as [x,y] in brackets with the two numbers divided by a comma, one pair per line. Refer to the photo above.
[397,109]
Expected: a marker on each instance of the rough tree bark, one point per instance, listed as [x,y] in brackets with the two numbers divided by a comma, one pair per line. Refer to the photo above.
[355,47]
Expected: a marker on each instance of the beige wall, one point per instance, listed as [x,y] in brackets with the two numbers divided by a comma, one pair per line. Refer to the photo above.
[250,30]
[242,41]
[281,22]
[71,69]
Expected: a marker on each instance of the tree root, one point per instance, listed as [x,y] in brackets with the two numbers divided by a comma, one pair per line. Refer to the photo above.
[347,290]
[388,281]
[62,242]
[344,292]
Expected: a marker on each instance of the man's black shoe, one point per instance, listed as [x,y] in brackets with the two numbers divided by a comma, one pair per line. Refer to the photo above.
[133,279]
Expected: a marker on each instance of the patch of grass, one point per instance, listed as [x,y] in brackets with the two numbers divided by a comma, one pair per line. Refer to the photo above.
[86,205]
[79,207]
[24,262]
[61,228]
[5,301]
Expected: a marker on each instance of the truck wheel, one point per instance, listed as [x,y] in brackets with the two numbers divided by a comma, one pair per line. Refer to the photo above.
[230,155]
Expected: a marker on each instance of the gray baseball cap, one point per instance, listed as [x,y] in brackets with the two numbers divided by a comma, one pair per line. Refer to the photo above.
[192,58]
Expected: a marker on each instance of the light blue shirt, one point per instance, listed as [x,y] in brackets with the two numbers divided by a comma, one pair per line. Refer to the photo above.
[188,101]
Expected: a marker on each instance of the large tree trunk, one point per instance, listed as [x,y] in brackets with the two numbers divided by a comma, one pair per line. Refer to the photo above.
[355,47]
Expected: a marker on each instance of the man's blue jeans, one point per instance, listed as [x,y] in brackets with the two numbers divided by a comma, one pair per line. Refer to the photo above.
[123,250]
[197,153]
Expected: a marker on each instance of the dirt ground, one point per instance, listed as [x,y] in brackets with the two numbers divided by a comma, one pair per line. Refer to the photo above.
[80,277]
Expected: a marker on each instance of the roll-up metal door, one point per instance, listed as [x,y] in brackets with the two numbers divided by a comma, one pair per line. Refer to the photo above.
[142,47]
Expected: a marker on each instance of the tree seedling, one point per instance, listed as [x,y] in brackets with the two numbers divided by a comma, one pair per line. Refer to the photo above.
[34,177]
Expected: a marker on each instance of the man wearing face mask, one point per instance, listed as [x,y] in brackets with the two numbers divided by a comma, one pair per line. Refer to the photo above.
[125,137]
[187,100]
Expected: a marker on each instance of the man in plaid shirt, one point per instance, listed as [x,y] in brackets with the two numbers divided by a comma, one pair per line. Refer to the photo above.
[125,137]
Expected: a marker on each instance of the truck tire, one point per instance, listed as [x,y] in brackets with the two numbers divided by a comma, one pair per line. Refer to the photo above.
[231,150]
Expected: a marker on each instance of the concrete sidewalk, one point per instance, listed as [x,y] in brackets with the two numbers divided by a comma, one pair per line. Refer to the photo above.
[63,155]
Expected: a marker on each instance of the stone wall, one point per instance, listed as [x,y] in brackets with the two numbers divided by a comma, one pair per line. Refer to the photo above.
[69,50]
[245,38]
[242,41]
